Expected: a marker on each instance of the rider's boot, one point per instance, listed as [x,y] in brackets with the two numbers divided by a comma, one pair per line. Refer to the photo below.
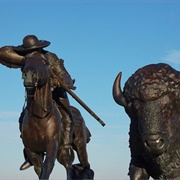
[26,163]
[67,130]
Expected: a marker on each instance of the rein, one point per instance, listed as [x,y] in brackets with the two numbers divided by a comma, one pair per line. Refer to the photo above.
[29,95]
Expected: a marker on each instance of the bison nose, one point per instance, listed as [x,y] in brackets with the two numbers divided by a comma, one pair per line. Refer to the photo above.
[155,144]
[158,143]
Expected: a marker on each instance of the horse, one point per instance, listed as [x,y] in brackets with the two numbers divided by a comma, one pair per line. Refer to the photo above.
[41,129]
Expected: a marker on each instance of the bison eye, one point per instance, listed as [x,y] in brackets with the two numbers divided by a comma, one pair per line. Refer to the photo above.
[136,104]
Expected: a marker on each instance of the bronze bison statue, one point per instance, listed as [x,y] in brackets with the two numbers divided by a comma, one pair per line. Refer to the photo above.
[151,98]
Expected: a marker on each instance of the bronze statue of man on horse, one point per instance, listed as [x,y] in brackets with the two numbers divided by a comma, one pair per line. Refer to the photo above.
[15,57]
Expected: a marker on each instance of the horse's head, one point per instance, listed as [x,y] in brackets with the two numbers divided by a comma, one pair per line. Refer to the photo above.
[35,72]
[36,76]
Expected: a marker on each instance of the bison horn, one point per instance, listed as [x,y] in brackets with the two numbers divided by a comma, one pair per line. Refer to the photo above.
[117,92]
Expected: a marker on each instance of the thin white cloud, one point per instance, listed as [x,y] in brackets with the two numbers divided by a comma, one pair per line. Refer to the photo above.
[173,56]
[9,114]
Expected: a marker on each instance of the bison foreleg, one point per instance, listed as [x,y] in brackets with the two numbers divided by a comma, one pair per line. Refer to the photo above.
[137,173]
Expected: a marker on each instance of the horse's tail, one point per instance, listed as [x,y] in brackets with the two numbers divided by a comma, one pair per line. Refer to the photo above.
[88,135]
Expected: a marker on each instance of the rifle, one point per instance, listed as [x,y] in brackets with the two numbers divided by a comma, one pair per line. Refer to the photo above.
[78,100]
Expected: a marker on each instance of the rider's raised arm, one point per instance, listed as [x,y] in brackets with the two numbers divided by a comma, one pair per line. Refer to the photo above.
[10,58]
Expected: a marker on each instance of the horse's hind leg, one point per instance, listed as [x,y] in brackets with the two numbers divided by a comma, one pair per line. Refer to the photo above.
[82,137]
[79,145]
[82,155]
[66,159]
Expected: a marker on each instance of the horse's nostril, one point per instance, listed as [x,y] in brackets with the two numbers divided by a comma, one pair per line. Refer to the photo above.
[24,75]
[34,73]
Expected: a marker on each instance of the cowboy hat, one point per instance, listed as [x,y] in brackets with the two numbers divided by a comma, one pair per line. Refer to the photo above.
[31,42]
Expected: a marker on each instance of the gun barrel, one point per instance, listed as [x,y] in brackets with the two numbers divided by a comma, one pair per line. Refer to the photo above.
[82,103]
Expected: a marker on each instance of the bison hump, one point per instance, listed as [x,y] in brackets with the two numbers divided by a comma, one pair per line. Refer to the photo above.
[151,82]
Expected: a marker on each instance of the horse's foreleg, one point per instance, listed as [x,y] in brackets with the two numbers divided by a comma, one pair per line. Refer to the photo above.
[36,160]
[51,153]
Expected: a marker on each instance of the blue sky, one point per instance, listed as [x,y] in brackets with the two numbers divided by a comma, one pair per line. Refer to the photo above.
[97,40]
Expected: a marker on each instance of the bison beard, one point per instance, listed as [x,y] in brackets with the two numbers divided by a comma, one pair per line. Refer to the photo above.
[151,98]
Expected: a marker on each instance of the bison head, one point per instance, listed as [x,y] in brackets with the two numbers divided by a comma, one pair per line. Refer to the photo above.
[151,98]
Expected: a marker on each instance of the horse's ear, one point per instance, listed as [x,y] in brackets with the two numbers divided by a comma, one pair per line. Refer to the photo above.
[42,102]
